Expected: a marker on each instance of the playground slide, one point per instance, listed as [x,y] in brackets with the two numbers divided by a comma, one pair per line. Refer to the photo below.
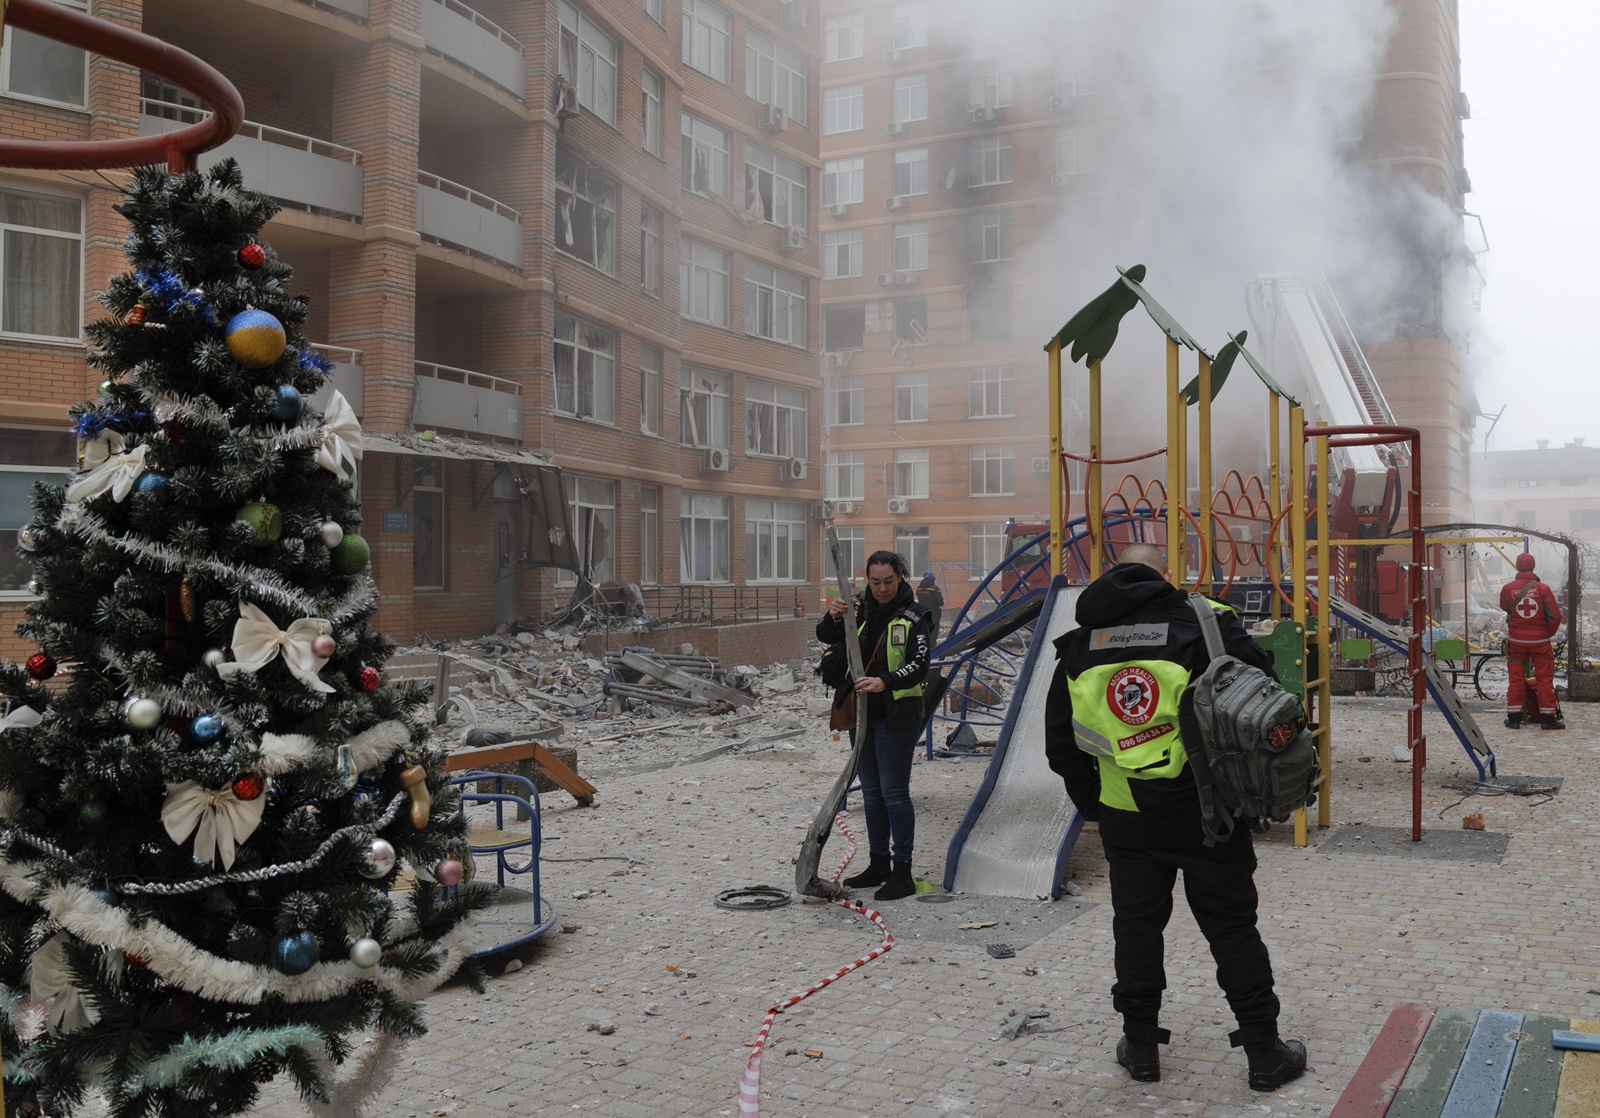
[1018,832]
[1444,696]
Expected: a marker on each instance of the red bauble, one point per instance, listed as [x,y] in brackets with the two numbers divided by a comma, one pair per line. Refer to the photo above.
[136,958]
[370,679]
[40,666]
[252,256]
[249,786]
[135,317]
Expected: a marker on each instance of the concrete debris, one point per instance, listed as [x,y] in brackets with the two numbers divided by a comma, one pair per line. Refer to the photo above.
[1023,1022]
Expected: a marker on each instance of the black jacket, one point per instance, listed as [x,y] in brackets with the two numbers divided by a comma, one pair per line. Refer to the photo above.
[912,669]
[1168,812]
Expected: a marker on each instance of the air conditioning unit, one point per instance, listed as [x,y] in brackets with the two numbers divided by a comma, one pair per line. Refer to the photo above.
[773,118]
[1058,180]
[983,115]
[897,128]
[715,461]
[899,506]
[1242,532]
[1041,465]
[846,508]
[1463,106]
[1464,181]
[893,203]
[822,510]
[794,15]
[885,279]
[794,469]
[838,209]
[892,57]
[1057,104]
[794,239]
[905,279]
[839,360]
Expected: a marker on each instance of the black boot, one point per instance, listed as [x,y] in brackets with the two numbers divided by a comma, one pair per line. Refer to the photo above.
[1552,722]
[898,884]
[1513,719]
[1141,1058]
[876,873]
[1275,1063]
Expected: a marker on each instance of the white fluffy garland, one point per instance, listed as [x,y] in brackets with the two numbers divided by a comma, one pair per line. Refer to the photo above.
[182,963]
[281,753]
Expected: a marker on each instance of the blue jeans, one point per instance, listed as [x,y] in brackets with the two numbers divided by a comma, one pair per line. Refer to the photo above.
[885,773]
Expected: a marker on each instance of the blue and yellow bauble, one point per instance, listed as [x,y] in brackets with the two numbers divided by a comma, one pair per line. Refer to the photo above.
[255,338]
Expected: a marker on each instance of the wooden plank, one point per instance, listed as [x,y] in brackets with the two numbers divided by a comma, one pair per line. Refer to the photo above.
[1433,1069]
[1581,1042]
[1481,1081]
[1535,1071]
[467,759]
[1579,1093]
[693,684]
[1369,1093]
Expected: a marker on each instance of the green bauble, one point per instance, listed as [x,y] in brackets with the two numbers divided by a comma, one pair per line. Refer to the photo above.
[264,518]
[351,556]
[92,812]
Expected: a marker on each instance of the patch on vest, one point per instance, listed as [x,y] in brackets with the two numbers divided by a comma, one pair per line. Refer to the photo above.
[1132,695]
[897,635]
[1150,734]
[1528,608]
[1153,635]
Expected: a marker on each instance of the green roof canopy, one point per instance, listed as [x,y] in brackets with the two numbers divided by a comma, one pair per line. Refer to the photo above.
[1090,334]
[1223,363]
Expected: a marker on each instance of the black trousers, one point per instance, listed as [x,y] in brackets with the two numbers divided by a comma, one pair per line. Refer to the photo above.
[1219,883]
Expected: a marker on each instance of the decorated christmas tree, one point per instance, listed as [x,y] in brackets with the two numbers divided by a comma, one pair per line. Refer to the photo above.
[203,814]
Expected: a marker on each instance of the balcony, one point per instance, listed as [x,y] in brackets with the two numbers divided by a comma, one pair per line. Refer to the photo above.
[455,31]
[299,171]
[461,218]
[463,400]
[346,377]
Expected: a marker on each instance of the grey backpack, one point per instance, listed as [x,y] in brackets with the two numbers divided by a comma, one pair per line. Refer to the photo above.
[1257,761]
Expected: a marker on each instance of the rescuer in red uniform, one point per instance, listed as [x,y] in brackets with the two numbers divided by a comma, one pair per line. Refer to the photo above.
[1533,617]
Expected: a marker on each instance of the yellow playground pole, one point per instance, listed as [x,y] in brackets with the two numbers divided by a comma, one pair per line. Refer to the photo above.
[1324,634]
[1177,414]
[1057,513]
[1177,555]
[1093,497]
[1274,503]
[1204,481]
[1294,529]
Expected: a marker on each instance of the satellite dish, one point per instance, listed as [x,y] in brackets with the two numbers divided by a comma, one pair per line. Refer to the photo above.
[950,179]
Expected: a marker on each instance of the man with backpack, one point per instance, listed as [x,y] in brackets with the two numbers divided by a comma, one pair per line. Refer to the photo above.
[1116,720]
[1533,618]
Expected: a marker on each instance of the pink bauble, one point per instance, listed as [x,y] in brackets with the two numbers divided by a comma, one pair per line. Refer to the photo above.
[323,645]
[448,872]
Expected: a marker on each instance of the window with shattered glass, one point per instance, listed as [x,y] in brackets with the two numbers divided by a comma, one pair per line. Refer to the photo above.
[774,188]
[588,60]
[704,158]
[774,420]
[592,510]
[650,250]
[703,409]
[586,212]
[586,370]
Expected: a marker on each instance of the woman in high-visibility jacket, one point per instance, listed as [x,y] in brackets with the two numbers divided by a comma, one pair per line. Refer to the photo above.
[894,647]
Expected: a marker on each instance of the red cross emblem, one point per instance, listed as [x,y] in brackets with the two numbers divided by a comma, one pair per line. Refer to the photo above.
[1528,608]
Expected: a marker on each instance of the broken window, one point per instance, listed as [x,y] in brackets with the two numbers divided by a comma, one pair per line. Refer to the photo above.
[586,212]
[774,420]
[844,327]
[592,507]
[911,321]
[704,409]
[650,250]
[774,188]
[704,167]
[588,60]
[585,370]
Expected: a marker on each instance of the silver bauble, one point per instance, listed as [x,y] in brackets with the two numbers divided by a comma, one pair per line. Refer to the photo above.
[213,657]
[378,860]
[365,952]
[27,537]
[34,587]
[166,411]
[142,714]
[332,533]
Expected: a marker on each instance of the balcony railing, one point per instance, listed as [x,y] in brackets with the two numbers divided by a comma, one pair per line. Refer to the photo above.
[293,168]
[462,35]
[460,217]
[468,401]
[355,8]
[346,377]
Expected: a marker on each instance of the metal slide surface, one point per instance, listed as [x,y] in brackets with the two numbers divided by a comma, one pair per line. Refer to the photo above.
[1445,698]
[1019,830]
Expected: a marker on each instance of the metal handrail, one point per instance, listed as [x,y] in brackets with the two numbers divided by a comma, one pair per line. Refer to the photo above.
[446,186]
[191,114]
[468,376]
[482,21]
[351,356]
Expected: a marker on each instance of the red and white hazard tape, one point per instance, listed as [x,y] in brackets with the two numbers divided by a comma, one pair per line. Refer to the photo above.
[750,1081]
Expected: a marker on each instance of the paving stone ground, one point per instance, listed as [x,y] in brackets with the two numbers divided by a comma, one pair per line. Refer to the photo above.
[916,1033]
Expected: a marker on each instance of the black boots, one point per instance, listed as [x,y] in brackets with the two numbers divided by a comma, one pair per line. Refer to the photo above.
[1142,1059]
[1273,1064]
[898,884]
[1513,719]
[1552,722]
[876,873]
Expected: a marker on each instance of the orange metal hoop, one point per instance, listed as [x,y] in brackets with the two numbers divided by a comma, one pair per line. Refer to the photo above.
[177,149]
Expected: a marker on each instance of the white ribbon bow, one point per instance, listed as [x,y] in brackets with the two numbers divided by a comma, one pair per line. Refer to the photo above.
[51,979]
[257,641]
[23,718]
[117,473]
[219,820]
[341,438]
[101,447]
